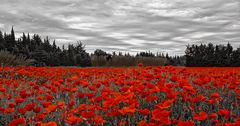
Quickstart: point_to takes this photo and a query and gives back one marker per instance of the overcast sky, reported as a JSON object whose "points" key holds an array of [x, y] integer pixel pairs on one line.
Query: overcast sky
{"points": [[126, 25]]}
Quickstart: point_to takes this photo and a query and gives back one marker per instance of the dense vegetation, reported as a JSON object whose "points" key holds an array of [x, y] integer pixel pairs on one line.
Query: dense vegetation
{"points": [[42, 52], [210, 55]]}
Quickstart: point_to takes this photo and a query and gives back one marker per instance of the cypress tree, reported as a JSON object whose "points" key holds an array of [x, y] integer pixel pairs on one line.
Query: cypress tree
{"points": [[2, 42]]}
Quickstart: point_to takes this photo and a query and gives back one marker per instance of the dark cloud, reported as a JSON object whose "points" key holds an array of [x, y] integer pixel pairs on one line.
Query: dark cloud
{"points": [[126, 25]]}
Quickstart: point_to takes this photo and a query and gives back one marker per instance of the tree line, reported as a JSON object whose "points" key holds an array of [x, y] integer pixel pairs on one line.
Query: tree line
{"points": [[46, 53], [210, 55], [42, 52]]}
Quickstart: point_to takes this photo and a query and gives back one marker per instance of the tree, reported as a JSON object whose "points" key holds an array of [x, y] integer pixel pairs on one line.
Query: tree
{"points": [[54, 46], [40, 56], [2, 41], [229, 51], [79, 48], [83, 60], [36, 42], [146, 54], [43, 52], [70, 55], [46, 45], [114, 53], [99, 52], [9, 44], [235, 60], [12, 36], [210, 55], [222, 55], [24, 41], [54, 59]]}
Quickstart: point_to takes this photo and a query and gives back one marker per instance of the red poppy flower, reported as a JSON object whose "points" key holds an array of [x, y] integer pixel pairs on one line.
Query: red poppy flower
{"points": [[122, 123], [97, 99], [151, 98], [45, 104], [92, 88], [113, 113], [37, 109], [212, 101], [70, 104], [11, 105], [51, 108], [165, 104], [9, 110], [73, 120], [189, 89], [185, 123], [201, 116], [144, 111], [2, 110], [81, 95], [39, 98], [90, 95], [212, 115], [3, 90], [214, 95], [49, 97], [237, 121], [173, 78], [18, 121], [214, 121], [98, 120], [60, 104], [39, 117], [158, 114], [84, 84], [224, 113], [127, 110], [21, 110], [140, 65], [49, 124], [19, 100], [142, 123], [88, 114], [30, 106], [23, 94]]}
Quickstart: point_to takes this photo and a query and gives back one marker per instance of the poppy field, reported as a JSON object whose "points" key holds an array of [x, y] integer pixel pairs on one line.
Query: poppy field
{"points": [[141, 96]]}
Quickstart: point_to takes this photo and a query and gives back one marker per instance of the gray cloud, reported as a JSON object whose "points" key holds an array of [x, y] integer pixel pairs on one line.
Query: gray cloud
{"points": [[126, 25]]}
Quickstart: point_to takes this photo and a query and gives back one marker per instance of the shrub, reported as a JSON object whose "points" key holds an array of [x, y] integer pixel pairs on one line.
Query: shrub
{"points": [[8, 59], [121, 61]]}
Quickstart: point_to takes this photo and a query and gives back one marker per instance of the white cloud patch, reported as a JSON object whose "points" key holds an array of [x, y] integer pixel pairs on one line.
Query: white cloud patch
{"points": [[84, 26], [1, 25]]}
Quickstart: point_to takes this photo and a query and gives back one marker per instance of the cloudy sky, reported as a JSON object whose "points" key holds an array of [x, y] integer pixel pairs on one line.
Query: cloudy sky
{"points": [[126, 25]]}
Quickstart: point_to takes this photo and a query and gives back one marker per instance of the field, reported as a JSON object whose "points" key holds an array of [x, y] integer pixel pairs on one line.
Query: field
{"points": [[142, 96]]}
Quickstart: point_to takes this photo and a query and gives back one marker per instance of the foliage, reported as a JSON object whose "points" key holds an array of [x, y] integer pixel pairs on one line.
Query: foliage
{"points": [[41, 57], [42, 52], [8, 59], [83, 60], [102, 58], [210, 55], [145, 54], [50, 54], [126, 61], [99, 52]]}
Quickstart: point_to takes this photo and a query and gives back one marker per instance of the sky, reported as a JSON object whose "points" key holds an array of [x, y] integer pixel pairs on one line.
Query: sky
{"points": [[126, 25]]}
